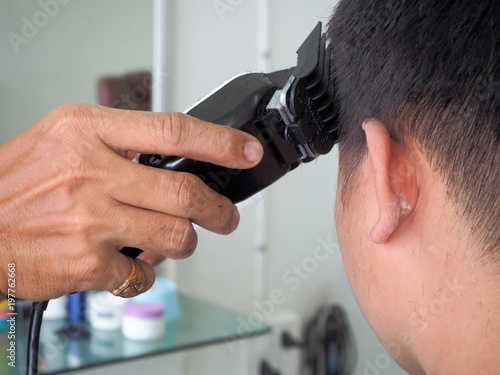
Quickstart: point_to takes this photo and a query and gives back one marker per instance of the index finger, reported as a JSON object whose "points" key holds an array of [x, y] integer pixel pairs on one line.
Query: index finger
{"points": [[178, 134]]}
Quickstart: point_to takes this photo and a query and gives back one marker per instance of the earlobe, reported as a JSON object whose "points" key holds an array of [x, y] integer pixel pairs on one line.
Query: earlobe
{"points": [[394, 177]]}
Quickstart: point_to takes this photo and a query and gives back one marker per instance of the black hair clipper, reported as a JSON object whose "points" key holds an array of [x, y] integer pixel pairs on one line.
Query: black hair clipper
{"points": [[292, 112]]}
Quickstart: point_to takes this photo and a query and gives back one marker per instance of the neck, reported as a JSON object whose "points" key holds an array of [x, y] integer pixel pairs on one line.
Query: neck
{"points": [[464, 323]]}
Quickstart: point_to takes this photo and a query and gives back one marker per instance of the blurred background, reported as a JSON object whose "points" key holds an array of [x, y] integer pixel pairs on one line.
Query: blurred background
{"points": [[61, 57]]}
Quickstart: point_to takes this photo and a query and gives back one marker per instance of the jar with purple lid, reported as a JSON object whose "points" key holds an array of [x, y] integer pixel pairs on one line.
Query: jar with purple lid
{"points": [[143, 321]]}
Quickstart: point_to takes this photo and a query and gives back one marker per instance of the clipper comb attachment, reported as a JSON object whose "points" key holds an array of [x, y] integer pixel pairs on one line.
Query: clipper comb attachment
{"points": [[306, 103]]}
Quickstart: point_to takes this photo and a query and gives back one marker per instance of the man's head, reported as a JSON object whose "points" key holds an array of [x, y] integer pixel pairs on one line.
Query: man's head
{"points": [[418, 84]]}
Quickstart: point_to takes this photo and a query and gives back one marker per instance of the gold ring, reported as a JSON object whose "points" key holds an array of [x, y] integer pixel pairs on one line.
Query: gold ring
{"points": [[133, 284]]}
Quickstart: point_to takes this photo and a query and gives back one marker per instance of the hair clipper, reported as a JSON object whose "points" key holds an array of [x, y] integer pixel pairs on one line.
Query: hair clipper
{"points": [[292, 112]]}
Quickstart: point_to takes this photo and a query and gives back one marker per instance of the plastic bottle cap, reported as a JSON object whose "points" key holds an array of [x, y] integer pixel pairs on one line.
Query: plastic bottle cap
{"points": [[144, 310]]}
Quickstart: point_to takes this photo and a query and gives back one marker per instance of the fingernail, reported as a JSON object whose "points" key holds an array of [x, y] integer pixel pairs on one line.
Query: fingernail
{"points": [[253, 151], [235, 220]]}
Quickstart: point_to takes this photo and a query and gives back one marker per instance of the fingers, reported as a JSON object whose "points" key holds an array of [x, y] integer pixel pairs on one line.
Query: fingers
{"points": [[171, 236], [150, 209], [102, 268], [160, 235], [180, 135], [174, 193], [121, 270]]}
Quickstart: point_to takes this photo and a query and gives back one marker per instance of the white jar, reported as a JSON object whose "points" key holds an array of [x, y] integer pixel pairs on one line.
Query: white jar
{"points": [[105, 311], [143, 321], [57, 309]]}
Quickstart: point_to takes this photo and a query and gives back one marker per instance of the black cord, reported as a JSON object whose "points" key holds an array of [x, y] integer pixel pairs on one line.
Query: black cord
{"points": [[34, 337]]}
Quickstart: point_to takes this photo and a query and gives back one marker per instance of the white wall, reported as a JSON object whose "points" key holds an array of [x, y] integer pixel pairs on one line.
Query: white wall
{"points": [[61, 63], [91, 38]]}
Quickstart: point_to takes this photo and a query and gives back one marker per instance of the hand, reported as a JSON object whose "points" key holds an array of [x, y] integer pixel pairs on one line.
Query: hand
{"points": [[70, 198]]}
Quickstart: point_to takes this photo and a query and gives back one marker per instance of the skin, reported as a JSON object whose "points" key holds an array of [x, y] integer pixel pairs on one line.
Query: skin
{"points": [[414, 266], [71, 198]]}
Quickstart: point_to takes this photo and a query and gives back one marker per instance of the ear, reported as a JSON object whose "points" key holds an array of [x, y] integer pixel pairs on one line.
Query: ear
{"points": [[394, 173]]}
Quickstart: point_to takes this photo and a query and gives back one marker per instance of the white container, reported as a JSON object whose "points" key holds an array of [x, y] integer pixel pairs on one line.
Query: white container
{"points": [[143, 321], [165, 292], [57, 309], [105, 311]]}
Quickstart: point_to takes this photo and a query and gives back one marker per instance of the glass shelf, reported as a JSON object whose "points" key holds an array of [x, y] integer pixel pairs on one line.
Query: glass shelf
{"points": [[200, 323]]}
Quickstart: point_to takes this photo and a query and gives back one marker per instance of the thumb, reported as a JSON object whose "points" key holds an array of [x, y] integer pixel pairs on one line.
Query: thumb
{"points": [[180, 135]]}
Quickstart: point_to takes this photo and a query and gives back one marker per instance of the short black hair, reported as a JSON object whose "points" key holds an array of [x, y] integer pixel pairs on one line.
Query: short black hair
{"points": [[430, 70]]}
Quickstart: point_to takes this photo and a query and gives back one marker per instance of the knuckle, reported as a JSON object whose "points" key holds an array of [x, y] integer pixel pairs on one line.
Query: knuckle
{"points": [[93, 267], [78, 175], [84, 223], [185, 189], [67, 110], [72, 116], [170, 128], [73, 112], [181, 239], [74, 175], [73, 109]]}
